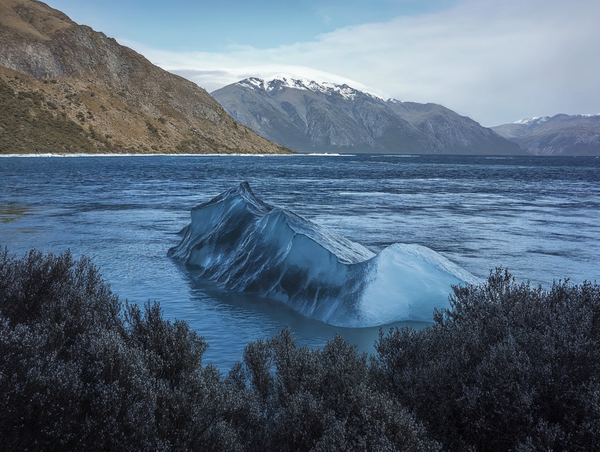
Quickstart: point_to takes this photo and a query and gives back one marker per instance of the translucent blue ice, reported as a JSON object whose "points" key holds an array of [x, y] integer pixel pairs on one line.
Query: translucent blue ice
{"points": [[247, 245]]}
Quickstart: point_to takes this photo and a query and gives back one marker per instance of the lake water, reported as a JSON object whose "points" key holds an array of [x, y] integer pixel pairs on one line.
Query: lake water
{"points": [[537, 216]]}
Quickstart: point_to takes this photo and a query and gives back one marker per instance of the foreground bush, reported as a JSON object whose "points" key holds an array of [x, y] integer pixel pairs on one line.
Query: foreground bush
{"points": [[79, 370], [323, 400], [508, 367]]}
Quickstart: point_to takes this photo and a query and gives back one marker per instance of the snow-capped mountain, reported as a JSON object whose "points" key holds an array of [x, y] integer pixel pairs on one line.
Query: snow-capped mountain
{"points": [[534, 120], [280, 82], [326, 117], [556, 135]]}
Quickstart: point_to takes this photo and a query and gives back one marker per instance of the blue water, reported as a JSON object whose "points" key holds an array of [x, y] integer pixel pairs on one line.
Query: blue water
{"points": [[538, 216]]}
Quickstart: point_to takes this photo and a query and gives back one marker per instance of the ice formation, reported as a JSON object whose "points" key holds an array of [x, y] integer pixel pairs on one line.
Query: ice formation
{"points": [[246, 245]]}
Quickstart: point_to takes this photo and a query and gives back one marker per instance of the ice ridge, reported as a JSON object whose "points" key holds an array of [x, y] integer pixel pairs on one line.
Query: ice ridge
{"points": [[246, 245]]}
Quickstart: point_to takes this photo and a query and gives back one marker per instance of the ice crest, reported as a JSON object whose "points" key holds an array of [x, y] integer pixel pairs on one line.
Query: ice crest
{"points": [[246, 245]]}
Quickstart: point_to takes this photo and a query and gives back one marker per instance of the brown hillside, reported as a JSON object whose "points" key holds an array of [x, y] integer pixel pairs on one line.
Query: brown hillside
{"points": [[102, 96]]}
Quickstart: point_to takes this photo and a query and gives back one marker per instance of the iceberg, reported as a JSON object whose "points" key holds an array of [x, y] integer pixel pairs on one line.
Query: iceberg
{"points": [[246, 245]]}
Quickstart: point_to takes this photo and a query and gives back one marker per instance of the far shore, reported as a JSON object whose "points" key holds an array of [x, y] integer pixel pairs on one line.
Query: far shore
{"points": [[173, 155]]}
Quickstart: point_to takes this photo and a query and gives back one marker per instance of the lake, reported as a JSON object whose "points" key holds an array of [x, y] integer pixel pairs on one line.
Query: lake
{"points": [[537, 216]]}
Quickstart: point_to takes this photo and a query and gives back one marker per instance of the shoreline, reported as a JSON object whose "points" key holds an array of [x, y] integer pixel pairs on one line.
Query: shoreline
{"points": [[326, 154], [171, 155]]}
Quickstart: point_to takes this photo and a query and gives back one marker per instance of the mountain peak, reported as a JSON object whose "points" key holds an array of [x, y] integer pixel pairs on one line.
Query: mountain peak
{"points": [[280, 82], [534, 120], [309, 116], [541, 119], [560, 134]]}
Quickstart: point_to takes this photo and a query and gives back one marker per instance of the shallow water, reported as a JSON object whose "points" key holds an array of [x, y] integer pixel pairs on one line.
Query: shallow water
{"points": [[538, 216]]}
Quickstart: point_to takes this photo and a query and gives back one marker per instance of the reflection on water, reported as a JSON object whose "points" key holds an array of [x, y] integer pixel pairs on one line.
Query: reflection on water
{"points": [[12, 213], [230, 320]]}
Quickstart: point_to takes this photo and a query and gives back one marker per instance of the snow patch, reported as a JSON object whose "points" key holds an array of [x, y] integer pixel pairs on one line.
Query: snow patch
{"points": [[540, 119], [252, 82], [536, 119], [279, 82]]}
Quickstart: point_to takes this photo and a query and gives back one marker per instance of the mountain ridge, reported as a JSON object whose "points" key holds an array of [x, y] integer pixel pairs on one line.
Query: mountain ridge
{"points": [[560, 134], [106, 97], [308, 116]]}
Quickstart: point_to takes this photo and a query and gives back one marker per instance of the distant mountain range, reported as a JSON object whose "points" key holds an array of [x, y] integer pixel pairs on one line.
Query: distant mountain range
{"points": [[67, 88], [307, 116], [556, 135]]}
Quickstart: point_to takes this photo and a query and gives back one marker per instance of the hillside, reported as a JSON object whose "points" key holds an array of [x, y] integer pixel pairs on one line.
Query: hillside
{"points": [[308, 116], [556, 135], [67, 88]]}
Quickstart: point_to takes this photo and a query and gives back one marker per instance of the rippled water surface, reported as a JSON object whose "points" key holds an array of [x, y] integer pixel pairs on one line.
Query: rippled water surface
{"points": [[538, 216]]}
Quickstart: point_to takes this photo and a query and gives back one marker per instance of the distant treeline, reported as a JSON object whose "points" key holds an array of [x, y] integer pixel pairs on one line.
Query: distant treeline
{"points": [[508, 367]]}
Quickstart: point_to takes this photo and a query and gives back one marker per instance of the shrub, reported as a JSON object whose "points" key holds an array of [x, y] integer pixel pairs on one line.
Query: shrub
{"points": [[80, 370], [30, 126], [507, 367], [322, 400]]}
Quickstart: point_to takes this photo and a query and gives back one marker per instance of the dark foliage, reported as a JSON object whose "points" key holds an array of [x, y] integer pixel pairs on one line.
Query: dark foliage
{"points": [[321, 400], [80, 370], [508, 367]]}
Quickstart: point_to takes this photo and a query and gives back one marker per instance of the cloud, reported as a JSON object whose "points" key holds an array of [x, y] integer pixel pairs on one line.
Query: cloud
{"points": [[496, 61]]}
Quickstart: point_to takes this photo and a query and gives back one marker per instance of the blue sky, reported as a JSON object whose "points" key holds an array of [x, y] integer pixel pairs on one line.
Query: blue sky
{"points": [[495, 61], [214, 26]]}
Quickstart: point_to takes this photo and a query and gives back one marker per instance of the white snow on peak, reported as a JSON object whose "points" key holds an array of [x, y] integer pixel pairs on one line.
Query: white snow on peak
{"points": [[252, 82], [540, 119], [536, 119], [279, 82]]}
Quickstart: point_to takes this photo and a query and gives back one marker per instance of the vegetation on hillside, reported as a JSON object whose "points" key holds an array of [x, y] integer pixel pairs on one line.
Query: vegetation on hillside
{"points": [[508, 367], [69, 89], [30, 123]]}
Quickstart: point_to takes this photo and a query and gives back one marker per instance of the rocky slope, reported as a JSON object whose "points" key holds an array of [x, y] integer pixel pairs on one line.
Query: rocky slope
{"points": [[66, 88], [556, 135], [308, 116]]}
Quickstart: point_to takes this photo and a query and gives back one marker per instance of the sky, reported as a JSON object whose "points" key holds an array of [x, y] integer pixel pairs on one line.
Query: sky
{"points": [[495, 61]]}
